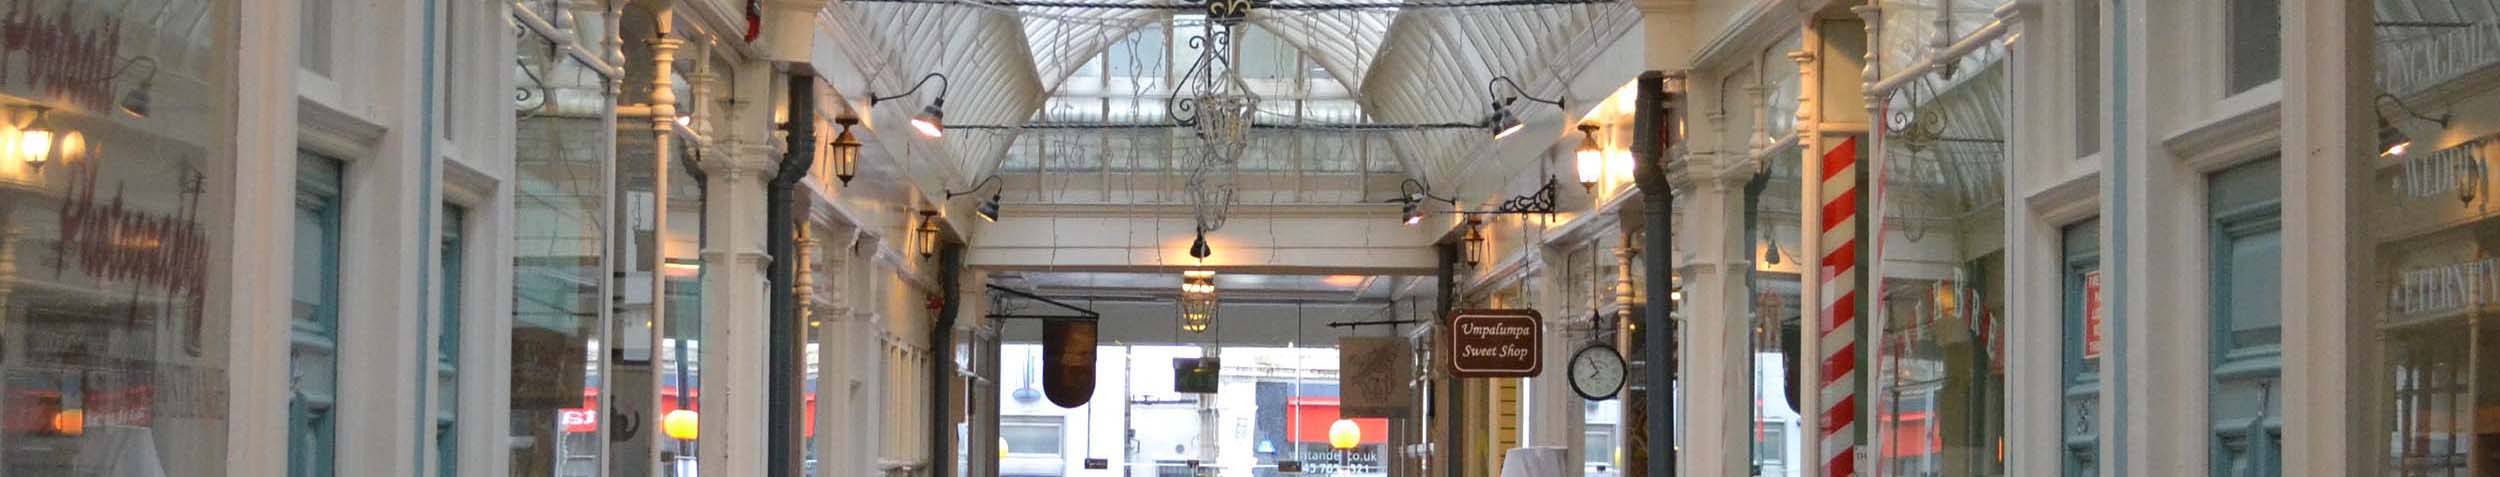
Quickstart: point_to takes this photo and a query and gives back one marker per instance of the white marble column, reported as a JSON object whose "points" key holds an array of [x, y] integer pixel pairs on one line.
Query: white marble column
{"points": [[734, 343], [1717, 361]]}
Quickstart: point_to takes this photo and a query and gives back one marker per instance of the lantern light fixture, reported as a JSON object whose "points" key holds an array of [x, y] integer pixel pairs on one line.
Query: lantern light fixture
{"points": [[1590, 158], [931, 121], [35, 141], [844, 151], [1474, 246], [1503, 121], [928, 233], [1198, 300]]}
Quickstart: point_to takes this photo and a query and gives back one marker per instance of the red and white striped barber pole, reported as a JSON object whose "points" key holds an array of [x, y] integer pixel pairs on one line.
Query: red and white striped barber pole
{"points": [[1841, 268]]}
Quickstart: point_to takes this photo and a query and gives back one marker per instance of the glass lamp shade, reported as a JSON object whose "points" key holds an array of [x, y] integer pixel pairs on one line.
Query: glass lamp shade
{"points": [[1590, 159], [679, 424], [1474, 244], [1198, 300], [928, 233], [844, 156], [1344, 435]]}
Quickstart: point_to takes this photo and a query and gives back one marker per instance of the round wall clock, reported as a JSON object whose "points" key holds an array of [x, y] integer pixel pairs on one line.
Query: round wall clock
{"points": [[1597, 372]]}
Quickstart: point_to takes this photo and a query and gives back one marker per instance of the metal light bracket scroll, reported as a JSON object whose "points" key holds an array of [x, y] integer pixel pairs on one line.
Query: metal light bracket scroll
{"points": [[1219, 108]]}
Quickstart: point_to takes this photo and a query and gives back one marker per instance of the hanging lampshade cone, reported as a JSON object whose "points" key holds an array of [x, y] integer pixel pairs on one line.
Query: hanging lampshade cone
{"points": [[988, 210], [1590, 158], [135, 103], [931, 121], [845, 152], [1414, 213], [2391, 141], [1198, 249], [1505, 123]]}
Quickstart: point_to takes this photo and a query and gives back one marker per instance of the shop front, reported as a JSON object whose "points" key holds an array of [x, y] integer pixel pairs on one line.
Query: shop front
{"points": [[112, 185]]}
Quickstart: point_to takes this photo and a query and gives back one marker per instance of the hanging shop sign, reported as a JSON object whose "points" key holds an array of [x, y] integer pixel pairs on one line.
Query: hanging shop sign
{"points": [[2092, 315], [1496, 343], [1068, 361], [1373, 376], [1195, 375]]}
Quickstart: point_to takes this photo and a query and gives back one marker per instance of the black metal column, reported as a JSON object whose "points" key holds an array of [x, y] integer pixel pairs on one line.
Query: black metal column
{"points": [[1654, 125], [1453, 417], [942, 364], [781, 407]]}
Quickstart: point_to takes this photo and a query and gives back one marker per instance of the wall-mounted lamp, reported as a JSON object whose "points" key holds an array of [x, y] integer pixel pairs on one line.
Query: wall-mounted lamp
{"points": [[843, 153], [931, 121], [35, 141], [135, 103], [987, 209], [1412, 195], [1590, 158], [1504, 122], [1474, 243], [928, 233], [2393, 142]]}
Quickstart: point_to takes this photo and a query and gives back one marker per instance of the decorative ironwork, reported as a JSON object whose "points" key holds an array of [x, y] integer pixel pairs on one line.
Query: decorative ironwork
{"points": [[1219, 109], [1541, 202]]}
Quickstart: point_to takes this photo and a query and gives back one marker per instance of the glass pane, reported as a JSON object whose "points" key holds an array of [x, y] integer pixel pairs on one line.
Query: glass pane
{"points": [[312, 435], [2254, 49], [559, 266], [115, 362], [447, 344], [2430, 235], [1938, 380], [2247, 324]]}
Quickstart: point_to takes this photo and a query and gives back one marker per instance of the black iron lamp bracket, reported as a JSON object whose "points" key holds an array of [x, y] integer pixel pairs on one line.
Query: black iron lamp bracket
{"points": [[1539, 203], [976, 187], [873, 99], [1492, 88], [2442, 120], [1413, 191]]}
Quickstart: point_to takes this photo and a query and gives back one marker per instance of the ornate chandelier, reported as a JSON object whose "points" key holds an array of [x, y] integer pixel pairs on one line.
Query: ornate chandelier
{"points": [[1197, 301], [1219, 108]]}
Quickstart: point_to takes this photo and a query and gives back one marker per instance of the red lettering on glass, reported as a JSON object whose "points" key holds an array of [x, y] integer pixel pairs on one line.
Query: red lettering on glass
{"points": [[60, 61], [111, 243]]}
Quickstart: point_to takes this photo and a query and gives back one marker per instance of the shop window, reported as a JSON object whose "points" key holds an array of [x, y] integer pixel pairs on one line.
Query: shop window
{"points": [[312, 424], [559, 261], [2084, 338], [2253, 49], [1598, 451], [1032, 435], [447, 344], [2246, 318]]}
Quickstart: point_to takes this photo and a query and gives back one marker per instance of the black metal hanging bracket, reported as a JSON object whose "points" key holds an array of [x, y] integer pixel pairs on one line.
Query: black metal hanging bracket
{"points": [[1081, 313]]}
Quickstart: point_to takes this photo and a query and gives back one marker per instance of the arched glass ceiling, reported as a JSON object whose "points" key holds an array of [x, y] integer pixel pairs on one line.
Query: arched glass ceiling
{"points": [[1423, 65]]}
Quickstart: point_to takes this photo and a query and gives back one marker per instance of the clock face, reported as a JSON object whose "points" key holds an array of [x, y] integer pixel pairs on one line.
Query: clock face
{"points": [[1597, 372]]}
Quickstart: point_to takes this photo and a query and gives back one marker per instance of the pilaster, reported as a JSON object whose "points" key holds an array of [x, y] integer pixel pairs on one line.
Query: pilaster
{"points": [[734, 340], [1717, 357]]}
